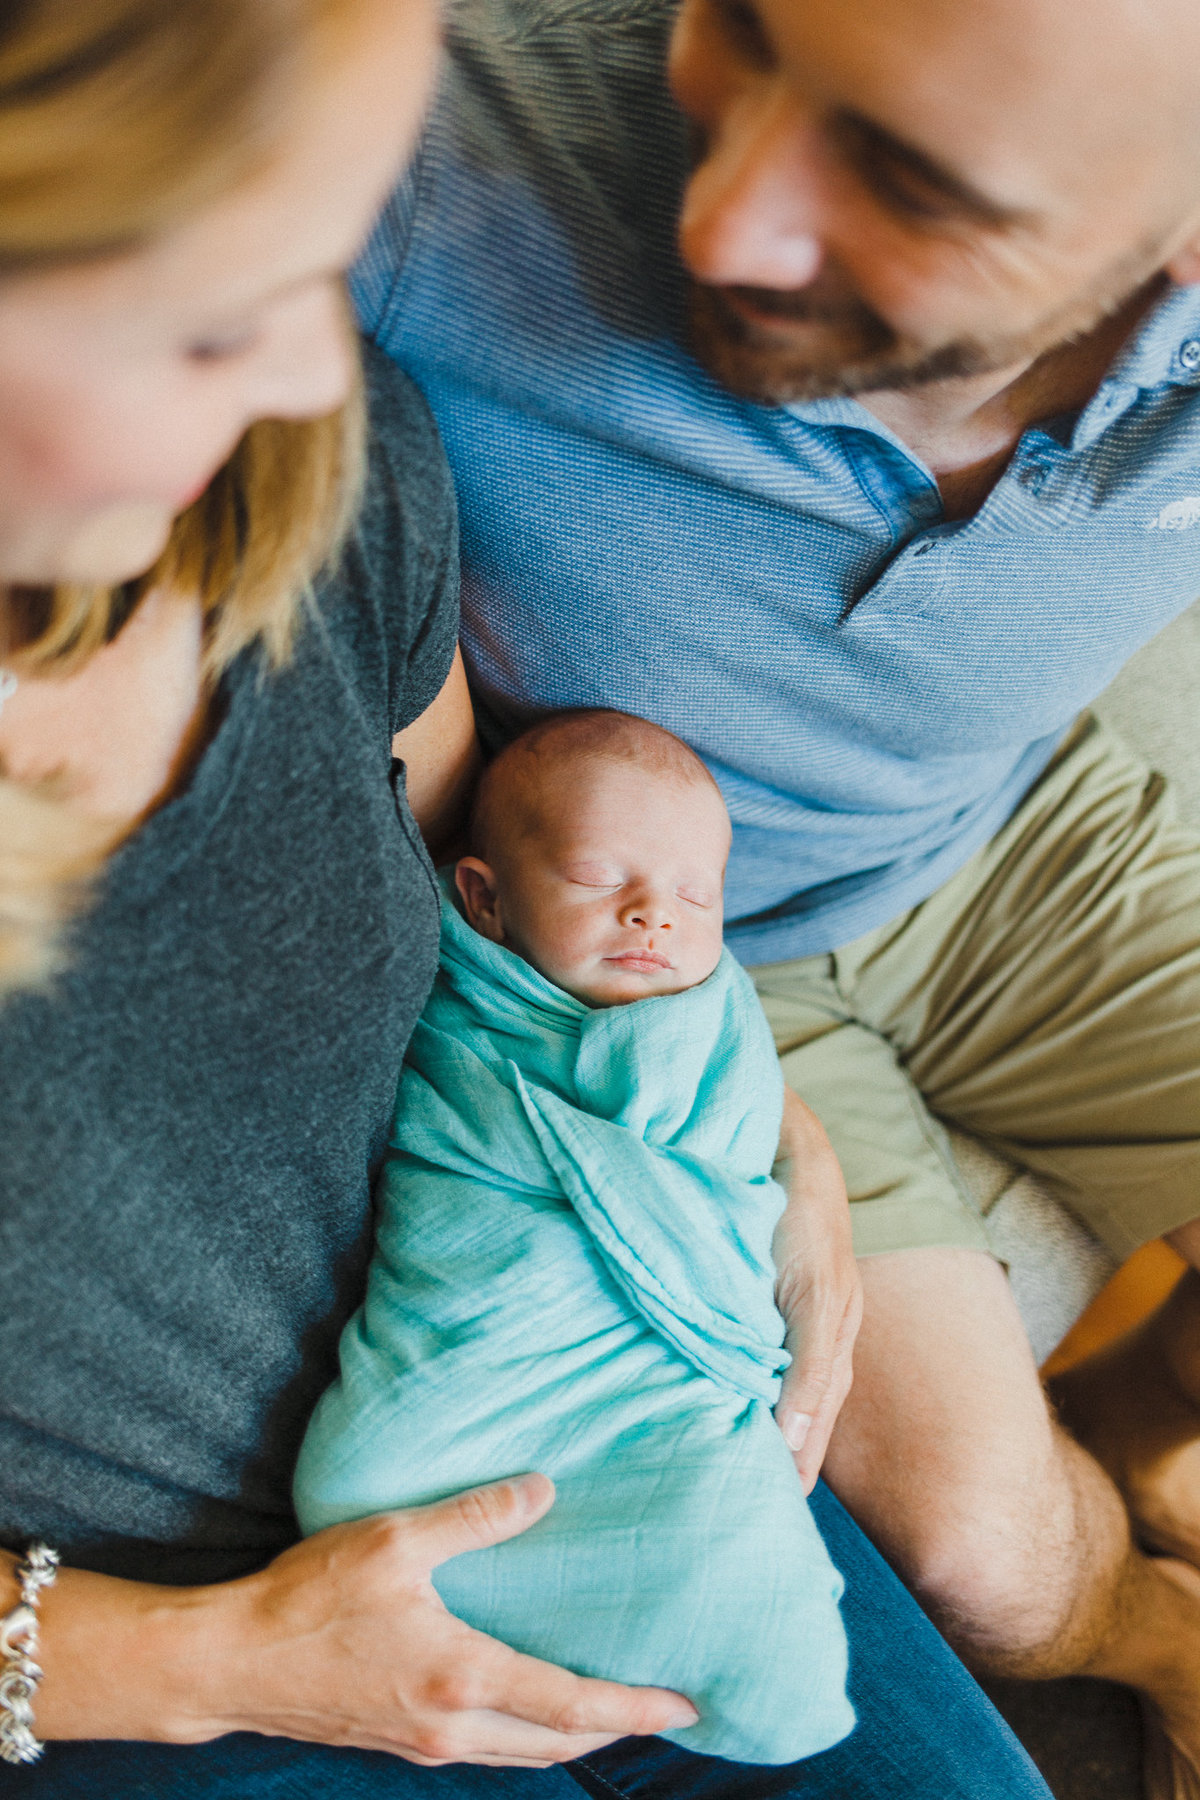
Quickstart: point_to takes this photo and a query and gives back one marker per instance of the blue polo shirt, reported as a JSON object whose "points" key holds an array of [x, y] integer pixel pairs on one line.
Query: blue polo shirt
{"points": [[873, 686]]}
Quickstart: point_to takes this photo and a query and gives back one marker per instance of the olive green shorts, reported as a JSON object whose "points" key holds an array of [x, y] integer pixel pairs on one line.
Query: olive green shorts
{"points": [[1046, 999]]}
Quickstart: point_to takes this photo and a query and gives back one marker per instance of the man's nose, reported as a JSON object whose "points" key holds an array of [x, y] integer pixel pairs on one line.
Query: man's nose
{"points": [[750, 212]]}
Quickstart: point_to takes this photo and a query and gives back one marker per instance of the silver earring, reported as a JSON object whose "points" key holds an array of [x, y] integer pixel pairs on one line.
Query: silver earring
{"points": [[8, 686]]}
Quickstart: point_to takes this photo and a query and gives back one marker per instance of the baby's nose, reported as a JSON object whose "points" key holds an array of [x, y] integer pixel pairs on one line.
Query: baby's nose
{"points": [[647, 912]]}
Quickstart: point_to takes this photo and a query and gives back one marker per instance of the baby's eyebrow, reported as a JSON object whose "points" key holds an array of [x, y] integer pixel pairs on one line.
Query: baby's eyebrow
{"points": [[605, 873]]}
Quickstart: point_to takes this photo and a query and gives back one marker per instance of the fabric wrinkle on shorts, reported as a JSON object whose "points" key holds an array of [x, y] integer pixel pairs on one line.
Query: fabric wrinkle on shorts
{"points": [[1046, 1000]]}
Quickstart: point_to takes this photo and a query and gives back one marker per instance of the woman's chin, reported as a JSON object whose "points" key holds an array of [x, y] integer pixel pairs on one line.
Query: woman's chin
{"points": [[102, 549]]}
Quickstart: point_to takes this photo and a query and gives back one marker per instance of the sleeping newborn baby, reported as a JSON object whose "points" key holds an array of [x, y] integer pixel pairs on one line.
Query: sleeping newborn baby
{"points": [[572, 1271], [602, 847]]}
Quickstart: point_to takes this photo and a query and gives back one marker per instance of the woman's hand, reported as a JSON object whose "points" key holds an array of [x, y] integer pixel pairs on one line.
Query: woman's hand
{"points": [[817, 1288], [341, 1640]]}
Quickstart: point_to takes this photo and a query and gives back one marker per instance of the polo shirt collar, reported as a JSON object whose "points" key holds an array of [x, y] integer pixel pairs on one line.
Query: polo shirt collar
{"points": [[1166, 347], [1164, 350]]}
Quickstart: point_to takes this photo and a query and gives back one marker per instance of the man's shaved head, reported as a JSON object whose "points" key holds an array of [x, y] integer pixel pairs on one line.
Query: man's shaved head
{"points": [[892, 192], [547, 759]]}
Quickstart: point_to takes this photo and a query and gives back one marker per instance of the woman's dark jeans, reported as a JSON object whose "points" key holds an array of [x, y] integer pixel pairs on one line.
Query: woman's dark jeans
{"points": [[925, 1732]]}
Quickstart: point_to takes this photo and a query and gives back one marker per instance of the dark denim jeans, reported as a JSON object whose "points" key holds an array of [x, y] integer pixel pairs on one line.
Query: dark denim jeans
{"points": [[925, 1732]]}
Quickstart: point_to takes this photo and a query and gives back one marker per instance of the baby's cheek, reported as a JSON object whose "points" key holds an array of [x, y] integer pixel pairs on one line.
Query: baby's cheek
{"points": [[567, 953], [714, 943]]}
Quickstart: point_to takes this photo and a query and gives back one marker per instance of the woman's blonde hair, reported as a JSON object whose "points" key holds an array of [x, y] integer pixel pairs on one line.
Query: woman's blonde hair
{"points": [[118, 118]]}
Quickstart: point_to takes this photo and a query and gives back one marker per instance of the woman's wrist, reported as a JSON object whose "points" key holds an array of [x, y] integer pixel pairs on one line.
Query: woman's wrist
{"points": [[124, 1659]]}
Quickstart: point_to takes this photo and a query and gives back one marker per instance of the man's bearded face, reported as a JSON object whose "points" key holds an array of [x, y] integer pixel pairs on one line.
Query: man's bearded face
{"points": [[886, 194], [778, 348]]}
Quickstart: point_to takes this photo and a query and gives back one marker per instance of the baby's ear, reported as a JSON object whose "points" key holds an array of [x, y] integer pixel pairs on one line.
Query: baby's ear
{"points": [[476, 884]]}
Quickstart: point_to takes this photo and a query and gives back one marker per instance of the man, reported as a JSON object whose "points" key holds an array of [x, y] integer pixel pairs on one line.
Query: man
{"points": [[866, 493]]}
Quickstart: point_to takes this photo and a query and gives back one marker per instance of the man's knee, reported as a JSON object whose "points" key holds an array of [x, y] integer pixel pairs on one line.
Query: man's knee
{"points": [[1017, 1572], [948, 1455], [994, 1549], [984, 1584]]}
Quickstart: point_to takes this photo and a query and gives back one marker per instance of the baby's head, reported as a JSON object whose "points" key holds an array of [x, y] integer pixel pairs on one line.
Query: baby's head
{"points": [[599, 847]]}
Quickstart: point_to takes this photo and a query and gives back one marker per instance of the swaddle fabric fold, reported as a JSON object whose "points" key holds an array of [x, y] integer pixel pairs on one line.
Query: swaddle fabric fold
{"points": [[573, 1274]]}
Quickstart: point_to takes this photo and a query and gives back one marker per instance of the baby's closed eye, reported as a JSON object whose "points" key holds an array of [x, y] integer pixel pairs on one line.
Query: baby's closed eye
{"points": [[594, 875]]}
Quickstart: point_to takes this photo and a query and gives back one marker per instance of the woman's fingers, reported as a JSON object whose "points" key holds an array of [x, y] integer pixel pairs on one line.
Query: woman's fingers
{"points": [[343, 1639], [566, 1705], [496, 1738], [474, 1519], [573, 1712]]}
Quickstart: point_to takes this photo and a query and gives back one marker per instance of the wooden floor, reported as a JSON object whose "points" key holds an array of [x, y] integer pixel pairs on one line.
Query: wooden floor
{"points": [[1135, 1290]]}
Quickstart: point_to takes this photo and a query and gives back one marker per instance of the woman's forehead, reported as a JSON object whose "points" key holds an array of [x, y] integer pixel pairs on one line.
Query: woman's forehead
{"points": [[302, 213]]}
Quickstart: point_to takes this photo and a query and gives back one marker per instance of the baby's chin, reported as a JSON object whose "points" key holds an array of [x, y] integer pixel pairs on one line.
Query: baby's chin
{"points": [[621, 987]]}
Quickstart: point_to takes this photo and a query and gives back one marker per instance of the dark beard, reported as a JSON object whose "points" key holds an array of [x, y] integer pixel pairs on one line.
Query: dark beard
{"points": [[866, 355]]}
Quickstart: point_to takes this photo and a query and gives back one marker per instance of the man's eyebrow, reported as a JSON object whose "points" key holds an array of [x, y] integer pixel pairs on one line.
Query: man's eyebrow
{"points": [[877, 151]]}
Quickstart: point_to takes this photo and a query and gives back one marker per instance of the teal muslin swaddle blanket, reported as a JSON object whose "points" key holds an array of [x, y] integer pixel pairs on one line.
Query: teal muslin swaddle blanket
{"points": [[572, 1273]]}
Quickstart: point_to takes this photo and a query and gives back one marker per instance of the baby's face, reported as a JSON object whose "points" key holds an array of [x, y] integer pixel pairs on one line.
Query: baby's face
{"points": [[616, 893]]}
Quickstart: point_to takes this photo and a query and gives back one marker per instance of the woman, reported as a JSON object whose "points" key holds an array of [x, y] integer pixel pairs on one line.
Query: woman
{"points": [[217, 926]]}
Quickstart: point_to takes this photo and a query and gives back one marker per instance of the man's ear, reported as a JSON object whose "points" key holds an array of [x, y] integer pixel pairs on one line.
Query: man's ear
{"points": [[476, 884]]}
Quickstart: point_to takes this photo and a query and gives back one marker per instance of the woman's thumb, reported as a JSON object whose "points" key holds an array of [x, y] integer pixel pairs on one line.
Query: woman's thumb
{"points": [[482, 1516]]}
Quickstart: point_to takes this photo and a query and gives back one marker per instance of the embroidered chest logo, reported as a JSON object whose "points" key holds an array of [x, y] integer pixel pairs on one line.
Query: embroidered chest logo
{"points": [[1181, 515]]}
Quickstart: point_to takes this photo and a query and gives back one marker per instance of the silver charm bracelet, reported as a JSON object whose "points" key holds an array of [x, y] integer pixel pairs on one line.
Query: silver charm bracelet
{"points": [[19, 1672]]}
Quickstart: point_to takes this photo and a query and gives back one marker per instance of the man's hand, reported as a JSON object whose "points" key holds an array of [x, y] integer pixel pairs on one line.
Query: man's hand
{"points": [[341, 1640], [818, 1290]]}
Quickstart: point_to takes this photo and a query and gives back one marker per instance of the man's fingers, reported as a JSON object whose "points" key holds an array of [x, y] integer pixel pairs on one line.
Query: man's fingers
{"points": [[811, 1454], [474, 1519], [808, 1380], [815, 1386], [805, 1385], [796, 1427]]}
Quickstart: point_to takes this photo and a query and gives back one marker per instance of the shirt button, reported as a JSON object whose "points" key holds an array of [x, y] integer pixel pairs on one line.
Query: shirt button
{"points": [[1189, 354], [926, 547]]}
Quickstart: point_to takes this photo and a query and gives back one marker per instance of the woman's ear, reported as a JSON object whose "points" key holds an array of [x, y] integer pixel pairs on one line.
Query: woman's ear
{"points": [[476, 884]]}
